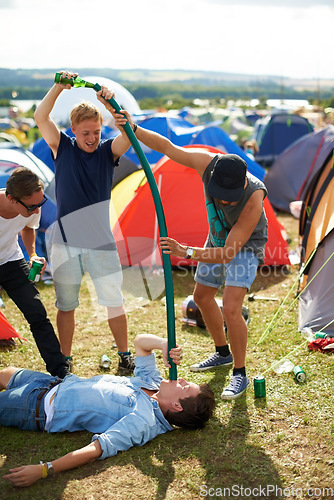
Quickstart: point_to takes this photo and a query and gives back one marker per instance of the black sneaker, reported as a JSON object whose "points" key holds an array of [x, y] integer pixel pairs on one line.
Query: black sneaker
{"points": [[126, 362], [7, 343]]}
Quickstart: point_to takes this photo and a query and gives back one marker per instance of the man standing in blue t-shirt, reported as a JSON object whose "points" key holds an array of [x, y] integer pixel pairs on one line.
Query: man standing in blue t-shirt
{"points": [[82, 240]]}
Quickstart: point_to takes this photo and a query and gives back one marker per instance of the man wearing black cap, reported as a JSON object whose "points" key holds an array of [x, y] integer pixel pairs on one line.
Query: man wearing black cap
{"points": [[233, 250]]}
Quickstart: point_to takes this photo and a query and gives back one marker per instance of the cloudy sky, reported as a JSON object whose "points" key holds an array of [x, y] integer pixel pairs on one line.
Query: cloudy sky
{"points": [[288, 38]]}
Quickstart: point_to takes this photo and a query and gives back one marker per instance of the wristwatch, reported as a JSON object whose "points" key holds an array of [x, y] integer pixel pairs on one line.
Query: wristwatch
{"points": [[190, 253], [50, 469]]}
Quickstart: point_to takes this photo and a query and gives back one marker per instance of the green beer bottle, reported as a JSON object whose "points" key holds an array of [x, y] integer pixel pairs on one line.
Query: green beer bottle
{"points": [[74, 82]]}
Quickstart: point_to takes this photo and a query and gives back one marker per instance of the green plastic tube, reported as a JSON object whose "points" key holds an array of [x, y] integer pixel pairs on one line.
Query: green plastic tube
{"points": [[163, 232]]}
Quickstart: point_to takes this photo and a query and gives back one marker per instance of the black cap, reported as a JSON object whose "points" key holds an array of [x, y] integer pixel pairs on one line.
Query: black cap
{"points": [[228, 178]]}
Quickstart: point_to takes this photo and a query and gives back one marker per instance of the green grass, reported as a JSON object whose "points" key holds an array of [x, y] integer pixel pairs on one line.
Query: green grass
{"points": [[284, 441]]}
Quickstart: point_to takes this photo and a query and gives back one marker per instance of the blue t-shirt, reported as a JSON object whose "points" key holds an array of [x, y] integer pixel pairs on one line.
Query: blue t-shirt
{"points": [[82, 179], [83, 190]]}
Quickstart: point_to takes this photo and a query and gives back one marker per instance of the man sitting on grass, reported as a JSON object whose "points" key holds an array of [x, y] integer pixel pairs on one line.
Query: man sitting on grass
{"points": [[121, 411]]}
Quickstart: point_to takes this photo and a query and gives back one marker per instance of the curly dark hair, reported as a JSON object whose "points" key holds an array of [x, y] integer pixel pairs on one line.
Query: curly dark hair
{"points": [[196, 410]]}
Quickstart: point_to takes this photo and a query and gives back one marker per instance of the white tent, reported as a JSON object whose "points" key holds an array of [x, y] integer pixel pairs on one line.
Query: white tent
{"points": [[69, 98]]}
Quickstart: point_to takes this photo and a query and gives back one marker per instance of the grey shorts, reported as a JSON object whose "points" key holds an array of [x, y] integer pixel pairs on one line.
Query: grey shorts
{"points": [[69, 264]]}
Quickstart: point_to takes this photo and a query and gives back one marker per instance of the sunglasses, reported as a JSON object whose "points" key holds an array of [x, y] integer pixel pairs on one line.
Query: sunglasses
{"points": [[32, 208]]}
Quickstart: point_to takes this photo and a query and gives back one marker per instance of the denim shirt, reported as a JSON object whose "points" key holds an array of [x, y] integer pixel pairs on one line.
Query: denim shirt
{"points": [[119, 413]]}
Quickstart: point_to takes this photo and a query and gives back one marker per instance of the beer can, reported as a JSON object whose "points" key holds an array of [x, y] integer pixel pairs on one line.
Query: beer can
{"points": [[299, 374], [35, 271], [259, 386], [105, 362], [321, 335]]}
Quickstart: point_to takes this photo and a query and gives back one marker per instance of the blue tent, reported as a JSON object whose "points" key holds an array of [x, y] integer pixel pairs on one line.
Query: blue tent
{"points": [[215, 136], [252, 117], [176, 129], [43, 152], [183, 133], [274, 133]]}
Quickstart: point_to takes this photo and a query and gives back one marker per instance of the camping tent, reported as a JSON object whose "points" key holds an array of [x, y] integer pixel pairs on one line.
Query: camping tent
{"points": [[237, 127], [276, 132], [135, 225], [183, 133], [291, 171], [218, 138], [12, 158], [317, 231], [175, 128], [70, 98], [6, 329]]}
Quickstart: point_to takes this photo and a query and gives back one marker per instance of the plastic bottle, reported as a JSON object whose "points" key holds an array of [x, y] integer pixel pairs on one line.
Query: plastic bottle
{"points": [[283, 366], [307, 333], [74, 82]]}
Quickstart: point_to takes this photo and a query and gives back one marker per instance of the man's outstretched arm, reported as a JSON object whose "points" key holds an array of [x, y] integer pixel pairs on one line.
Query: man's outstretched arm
{"points": [[192, 158], [29, 474]]}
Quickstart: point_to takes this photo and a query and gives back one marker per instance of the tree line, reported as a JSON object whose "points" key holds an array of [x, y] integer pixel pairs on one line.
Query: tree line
{"points": [[176, 93]]}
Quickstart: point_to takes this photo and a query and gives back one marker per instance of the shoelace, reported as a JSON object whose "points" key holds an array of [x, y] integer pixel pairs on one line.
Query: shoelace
{"points": [[235, 383], [211, 358]]}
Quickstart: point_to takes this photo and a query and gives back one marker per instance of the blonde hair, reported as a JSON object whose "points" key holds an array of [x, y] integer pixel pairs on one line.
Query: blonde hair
{"points": [[85, 111]]}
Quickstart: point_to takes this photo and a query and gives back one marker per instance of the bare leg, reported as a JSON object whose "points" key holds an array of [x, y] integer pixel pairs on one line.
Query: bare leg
{"points": [[204, 296], [236, 327], [5, 376], [65, 326], [118, 326]]}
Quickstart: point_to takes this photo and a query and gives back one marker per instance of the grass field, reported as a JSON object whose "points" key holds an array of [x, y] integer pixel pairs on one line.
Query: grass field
{"points": [[280, 446]]}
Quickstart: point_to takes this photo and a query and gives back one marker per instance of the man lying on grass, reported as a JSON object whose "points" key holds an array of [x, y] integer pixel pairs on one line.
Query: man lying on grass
{"points": [[120, 411]]}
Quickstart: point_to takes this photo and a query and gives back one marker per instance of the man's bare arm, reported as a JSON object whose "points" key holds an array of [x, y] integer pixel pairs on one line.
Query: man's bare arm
{"points": [[192, 158], [236, 239], [145, 343], [29, 239], [46, 125], [29, 474]]}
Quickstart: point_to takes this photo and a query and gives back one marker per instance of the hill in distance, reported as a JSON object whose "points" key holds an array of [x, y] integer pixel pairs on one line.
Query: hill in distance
{"points": [[44, 77]]}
